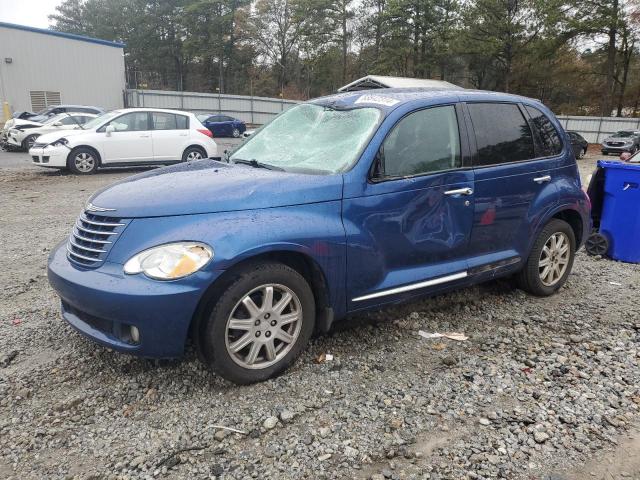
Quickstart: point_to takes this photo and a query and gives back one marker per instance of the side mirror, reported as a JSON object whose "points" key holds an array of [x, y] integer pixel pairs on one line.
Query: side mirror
{"points": [[57, 124], [109, 130]]}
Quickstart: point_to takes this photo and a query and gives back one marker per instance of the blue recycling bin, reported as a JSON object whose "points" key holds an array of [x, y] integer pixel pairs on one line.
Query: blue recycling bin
{"points": [[620, 220]]}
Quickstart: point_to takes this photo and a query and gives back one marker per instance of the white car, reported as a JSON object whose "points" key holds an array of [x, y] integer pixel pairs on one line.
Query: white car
{"points": [[131, 136], [24, 136]]}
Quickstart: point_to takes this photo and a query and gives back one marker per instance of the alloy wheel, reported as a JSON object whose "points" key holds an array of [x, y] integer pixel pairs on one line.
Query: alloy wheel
{"points": [[194, 155], [263, 326], [84, 162], [554, 259], [236, 133]]}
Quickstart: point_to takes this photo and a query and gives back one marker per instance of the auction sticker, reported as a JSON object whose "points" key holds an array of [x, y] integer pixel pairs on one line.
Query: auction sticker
{"points": [[379, 99]]}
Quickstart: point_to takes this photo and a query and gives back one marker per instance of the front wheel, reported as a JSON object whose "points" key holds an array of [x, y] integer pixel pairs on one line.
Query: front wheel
{"points": [[550, 261], [260, 323], [82, 161], [28, 142]]}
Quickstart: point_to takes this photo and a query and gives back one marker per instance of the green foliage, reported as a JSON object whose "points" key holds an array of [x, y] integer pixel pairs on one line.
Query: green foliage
{"points": [[578, 56]]}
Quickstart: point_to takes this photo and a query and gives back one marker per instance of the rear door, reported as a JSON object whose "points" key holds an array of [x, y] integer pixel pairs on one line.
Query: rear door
{"points": [[170, 135], [408, 233], [513, 181]]}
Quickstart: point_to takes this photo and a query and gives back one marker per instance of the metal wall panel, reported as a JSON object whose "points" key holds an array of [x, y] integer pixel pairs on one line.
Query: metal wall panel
{"points": [[84, 73], [252, 110], [596, 129]]}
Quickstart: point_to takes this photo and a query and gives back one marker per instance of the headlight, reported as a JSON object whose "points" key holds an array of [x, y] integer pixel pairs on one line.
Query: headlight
{"points": [[59, 142], [170, 261]]}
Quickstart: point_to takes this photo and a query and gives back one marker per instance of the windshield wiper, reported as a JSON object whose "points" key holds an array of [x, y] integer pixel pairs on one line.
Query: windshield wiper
{"points": [[256, 164]]}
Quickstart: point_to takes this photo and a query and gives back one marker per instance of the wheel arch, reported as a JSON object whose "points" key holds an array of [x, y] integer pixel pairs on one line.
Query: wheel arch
{"points": [[301, 262], [94, 149], [195, 145], [574, 219]]}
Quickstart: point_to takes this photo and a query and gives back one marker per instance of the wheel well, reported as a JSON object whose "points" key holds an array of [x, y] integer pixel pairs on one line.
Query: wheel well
{"points": [[300, 262], [88, 148], [199, 147], [574, 219]]}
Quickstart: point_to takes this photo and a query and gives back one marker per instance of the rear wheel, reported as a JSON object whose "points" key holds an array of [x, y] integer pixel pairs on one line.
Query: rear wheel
{"points": [[193, 153], [28, 142], [550, 261], [259, 325], [83, 161]]}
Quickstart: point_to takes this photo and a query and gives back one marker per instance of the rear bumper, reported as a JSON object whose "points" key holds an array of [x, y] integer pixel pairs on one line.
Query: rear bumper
{"points": [[103, 304]]}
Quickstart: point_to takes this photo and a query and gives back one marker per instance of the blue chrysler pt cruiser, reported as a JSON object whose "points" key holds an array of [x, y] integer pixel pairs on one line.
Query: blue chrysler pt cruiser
{"points": [[339, 205]]}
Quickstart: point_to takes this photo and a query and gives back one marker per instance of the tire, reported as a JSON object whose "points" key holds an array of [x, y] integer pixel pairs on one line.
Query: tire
{"points": [[534, 277], [193, 153], [262, 350], [83, 161], [236, 133], [28, 142]]}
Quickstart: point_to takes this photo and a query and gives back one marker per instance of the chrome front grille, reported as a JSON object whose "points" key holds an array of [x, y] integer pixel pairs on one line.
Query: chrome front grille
{"points": [[92, 238]]}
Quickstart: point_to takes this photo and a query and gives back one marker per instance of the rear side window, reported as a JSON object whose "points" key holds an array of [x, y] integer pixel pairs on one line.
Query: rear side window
{"points": [[168, 121], [550, 143], [502, 133], [422, 142]]}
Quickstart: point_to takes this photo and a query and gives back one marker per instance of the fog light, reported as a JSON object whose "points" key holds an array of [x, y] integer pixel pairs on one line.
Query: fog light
{"points": [[135, 334]]}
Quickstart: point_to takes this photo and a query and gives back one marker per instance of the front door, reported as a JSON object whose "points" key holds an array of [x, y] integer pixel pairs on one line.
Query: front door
{"points": [[408, 233], [130, 141]]}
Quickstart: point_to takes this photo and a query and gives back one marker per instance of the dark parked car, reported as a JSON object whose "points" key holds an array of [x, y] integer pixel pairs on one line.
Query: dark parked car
{"points": [[223, 125], [622, 141], [579, 144], [383, 198]]}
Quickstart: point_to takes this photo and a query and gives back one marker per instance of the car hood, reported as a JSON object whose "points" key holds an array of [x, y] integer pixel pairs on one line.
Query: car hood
{"points": [[58, 134], [210, 186], [19, 122], [619, 139]]}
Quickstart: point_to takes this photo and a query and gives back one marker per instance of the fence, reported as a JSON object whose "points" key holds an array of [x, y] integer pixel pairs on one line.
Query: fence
{"points": [[596, 129], [252, 110]]}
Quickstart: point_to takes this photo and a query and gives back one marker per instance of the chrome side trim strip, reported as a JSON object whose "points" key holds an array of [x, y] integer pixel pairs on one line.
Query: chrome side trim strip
{"points": [[413, 286]]}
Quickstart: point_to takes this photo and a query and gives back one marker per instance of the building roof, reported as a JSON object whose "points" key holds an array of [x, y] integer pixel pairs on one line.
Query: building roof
{"points": [[54, 33], [378, 81]]}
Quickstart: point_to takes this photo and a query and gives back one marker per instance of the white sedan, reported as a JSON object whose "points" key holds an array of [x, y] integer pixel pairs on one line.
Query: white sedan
{"points": [[24, 136], [131, 136]]}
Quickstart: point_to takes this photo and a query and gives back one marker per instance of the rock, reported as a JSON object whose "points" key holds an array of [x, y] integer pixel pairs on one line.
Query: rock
{"points": [[270, 423], [350, 452], [377, 476], [484, 421], [324, 432], [540, 437], [286, 416], [449, 360], [324, 457]]}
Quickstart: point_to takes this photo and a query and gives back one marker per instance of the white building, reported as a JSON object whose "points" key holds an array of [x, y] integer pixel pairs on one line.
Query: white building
{"points": [[41, 68]]}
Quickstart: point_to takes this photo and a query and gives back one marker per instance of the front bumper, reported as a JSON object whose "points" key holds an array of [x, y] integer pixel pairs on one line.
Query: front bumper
{"points": [[619, 149], [50, 156], [104, 303]]}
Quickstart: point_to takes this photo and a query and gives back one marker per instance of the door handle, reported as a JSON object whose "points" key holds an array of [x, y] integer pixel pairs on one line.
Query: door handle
{"points": [[546, 178], [144, 136], [460, 191]]}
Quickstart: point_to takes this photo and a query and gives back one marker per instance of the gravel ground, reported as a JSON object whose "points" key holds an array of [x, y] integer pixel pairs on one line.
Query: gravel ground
{"points": [[542, 389]]}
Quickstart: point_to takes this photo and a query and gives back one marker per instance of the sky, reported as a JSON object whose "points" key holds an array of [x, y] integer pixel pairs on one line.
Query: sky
{"points": [[33, 13]]}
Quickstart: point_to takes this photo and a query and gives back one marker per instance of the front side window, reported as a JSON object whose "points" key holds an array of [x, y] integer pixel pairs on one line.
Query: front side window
{"points": [[131, 122], [312, 138], [422, 142], [70, 120], [549, 138], [502, 133]]}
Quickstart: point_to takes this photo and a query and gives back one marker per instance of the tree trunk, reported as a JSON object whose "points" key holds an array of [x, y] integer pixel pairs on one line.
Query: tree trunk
{"points": [[607, 98]]}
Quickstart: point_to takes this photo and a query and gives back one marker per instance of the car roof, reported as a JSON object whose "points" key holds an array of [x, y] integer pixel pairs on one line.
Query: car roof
{"points": [[75, 106], [389, 99], [147, 109]]}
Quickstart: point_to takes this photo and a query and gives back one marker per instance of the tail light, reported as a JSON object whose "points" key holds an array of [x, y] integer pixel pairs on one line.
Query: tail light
{"points": [[206, 131]]}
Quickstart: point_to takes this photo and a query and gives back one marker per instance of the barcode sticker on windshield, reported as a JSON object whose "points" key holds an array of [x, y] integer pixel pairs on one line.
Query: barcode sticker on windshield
{"points": [[379, 99]]}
